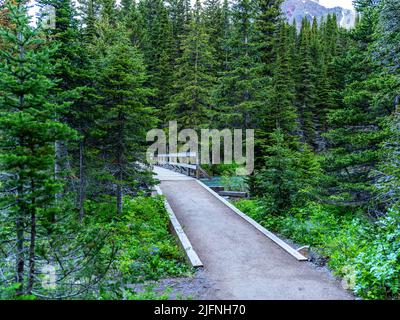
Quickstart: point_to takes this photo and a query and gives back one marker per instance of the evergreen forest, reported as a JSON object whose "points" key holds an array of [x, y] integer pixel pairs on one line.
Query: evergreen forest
{"points": [[80, 90]]}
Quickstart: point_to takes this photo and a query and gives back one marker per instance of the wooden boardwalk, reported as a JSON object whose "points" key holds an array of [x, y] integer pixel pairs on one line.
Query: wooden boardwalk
{"points": [[168, 175], [239, 261]]}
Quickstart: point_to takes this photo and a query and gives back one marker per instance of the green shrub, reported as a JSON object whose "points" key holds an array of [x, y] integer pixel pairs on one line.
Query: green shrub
{"points": [[220, 169], [255, 210], [147, 249], [130, 248], [377, 268], [366, 255], [234, 183], [289, 176], [9, 293]]}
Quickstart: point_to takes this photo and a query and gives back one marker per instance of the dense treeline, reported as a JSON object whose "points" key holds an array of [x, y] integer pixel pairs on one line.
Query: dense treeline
{"points": [[77, 98], [75, 108]]}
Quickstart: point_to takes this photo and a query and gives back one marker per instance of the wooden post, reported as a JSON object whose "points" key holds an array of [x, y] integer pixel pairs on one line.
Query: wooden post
{"points": [[197, 167]]}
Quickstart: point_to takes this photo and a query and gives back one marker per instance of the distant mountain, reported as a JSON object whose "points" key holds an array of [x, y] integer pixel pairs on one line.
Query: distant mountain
{"points": [[297, 9]]}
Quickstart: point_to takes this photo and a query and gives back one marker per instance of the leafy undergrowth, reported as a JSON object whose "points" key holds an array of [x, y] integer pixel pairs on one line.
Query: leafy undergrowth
{"points": [[108, 253], [366, 254], [147, 249]]}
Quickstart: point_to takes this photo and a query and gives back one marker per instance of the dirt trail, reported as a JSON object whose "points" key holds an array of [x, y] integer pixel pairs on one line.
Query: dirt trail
{"points": [[239, 261]]}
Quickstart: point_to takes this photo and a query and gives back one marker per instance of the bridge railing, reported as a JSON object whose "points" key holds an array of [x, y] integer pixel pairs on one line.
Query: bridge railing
{"points": [[185, 162]]}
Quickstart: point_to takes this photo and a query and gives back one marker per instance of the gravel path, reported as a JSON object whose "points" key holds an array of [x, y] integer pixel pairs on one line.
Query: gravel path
{"points": [[239, 261]]}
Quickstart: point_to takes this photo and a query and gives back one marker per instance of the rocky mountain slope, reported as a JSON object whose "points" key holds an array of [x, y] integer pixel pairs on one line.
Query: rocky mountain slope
{"points": [[297, 9]]}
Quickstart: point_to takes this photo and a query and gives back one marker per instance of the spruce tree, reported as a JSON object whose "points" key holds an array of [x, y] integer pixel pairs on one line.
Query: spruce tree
{"points": [[305, 84], [133, 20], [389, 28], [279, 119], [355, 132], [215, 24], [157, 46], [322, 97], [76, 78], [126, 118], [267, 21], [387, 174], [179, 16], [240, 92], [194, 77], [387, 183], [28, 132], [281, 112], [108, 8], [88, 11], [227, 29], [289, 177]]}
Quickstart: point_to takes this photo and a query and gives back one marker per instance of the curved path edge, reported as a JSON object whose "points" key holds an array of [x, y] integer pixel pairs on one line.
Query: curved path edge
{"points": [[182, 237], [256, 225]]}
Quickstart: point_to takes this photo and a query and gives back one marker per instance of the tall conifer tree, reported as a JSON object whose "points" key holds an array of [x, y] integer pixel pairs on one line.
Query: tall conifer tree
{"points": [[190, 105], [28, 131]]}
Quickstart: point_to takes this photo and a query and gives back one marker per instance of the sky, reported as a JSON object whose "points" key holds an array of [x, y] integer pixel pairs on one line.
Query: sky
{"points": [[347, 4]]}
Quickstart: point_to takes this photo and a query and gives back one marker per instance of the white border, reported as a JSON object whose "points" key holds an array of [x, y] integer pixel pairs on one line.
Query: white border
{"points": [[184, 240]]}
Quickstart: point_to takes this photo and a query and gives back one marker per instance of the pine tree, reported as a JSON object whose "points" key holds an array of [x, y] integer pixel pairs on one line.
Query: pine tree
{"points": [[268, 19], [133, 20], [356, 127], [305, 85], [89, 11], [179, 16], [281, 112], [215, 24], [157, 46], [28, 131], [108, 8], [289, 176], [194, 78], [240, 92], [126, 118]]}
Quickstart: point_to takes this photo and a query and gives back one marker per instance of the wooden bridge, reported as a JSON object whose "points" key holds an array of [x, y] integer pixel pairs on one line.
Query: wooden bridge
{"points": [[240, 258], [186, 163]]}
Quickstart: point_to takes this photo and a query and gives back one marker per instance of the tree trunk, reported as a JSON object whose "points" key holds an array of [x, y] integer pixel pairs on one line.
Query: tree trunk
{"points": [[20, 261], [82, 181], [32, 246], [120, 155], [119, 199], [57, 166], [119, 185], [57, 170], [20, 249]]}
